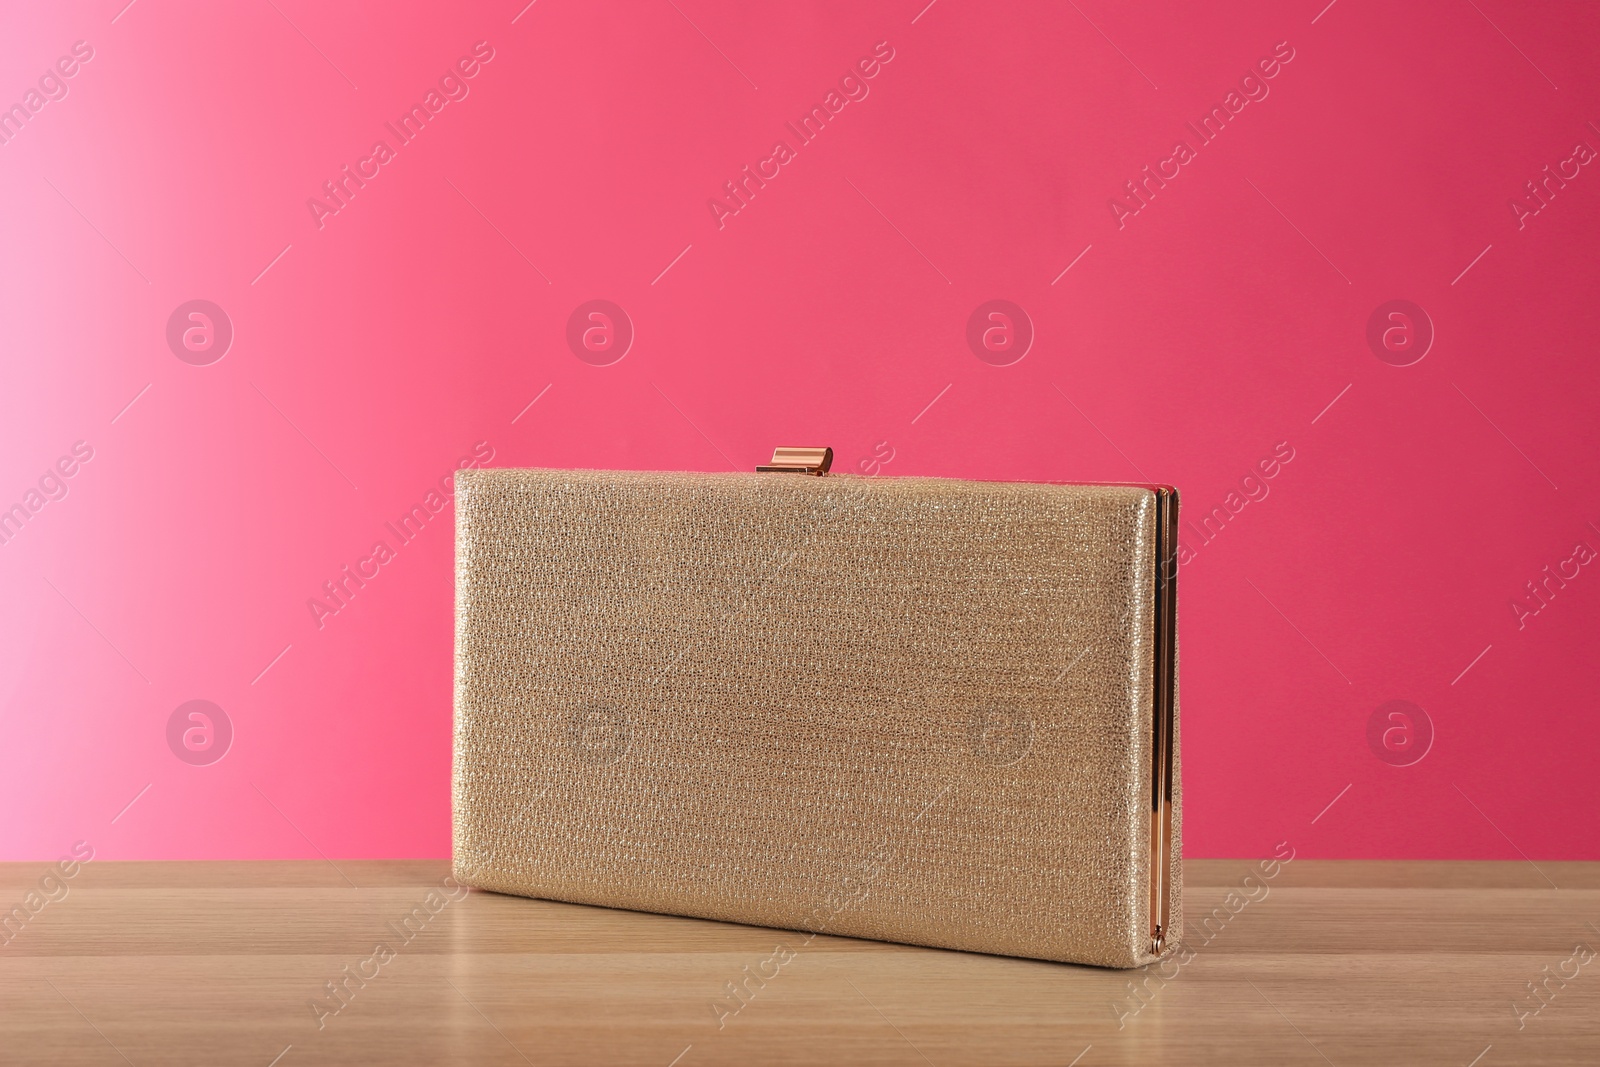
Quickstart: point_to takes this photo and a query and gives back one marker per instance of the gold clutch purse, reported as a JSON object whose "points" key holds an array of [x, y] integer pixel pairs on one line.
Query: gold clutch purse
{"points": [[912, 709]]}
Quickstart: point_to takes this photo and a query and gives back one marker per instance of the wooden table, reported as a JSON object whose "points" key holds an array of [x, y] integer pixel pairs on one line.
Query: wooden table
{"points": [[1338, 962]]}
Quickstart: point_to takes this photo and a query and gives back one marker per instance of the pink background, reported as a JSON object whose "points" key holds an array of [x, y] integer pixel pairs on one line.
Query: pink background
{"points": [[373, 353]]}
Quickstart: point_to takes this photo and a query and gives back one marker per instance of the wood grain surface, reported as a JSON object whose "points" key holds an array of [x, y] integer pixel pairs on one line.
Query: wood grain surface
{"points": [[1327, 962]]}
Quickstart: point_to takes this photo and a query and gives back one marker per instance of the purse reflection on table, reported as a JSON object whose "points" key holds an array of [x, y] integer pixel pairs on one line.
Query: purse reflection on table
{"points": [[920, 710]]}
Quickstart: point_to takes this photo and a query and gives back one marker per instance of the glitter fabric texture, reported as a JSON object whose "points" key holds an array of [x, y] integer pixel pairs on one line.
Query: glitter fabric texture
{"points": [[909, 709]]}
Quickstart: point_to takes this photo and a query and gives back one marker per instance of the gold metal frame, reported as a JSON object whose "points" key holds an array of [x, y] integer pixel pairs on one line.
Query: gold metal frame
{"points": [[788, 460], [1162, 748]]}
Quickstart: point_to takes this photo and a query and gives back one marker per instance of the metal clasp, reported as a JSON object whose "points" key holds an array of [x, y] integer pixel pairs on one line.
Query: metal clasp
{"points": [[798, 461]]}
